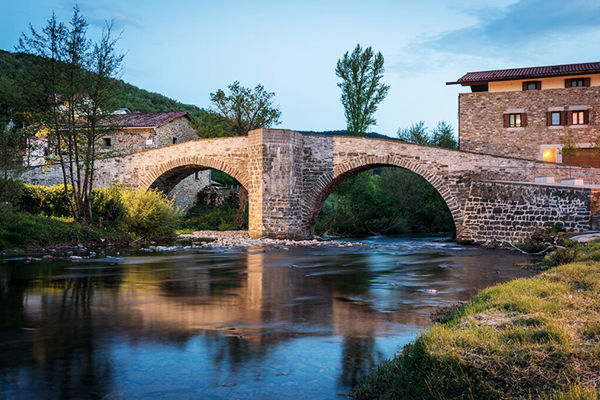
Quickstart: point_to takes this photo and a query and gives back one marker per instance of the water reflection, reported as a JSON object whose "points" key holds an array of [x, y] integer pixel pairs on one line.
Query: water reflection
{"points": [[262, 322]]}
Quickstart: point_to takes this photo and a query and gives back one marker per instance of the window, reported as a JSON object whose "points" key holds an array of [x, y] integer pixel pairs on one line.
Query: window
{"points": [[549, 155], [515, 120], [577, 82], [174, 140], [555, 118], [106, 142], [196, 176], [532, 85], [578, 118]]}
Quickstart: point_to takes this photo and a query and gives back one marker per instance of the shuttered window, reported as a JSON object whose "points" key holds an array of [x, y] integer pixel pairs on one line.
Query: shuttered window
{"points": [[515, 120], [532, 85], [556, 118], [577, 82]]}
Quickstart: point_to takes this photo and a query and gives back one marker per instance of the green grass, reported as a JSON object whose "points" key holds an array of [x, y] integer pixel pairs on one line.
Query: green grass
{"points": [[529, 338], [27, 231]]}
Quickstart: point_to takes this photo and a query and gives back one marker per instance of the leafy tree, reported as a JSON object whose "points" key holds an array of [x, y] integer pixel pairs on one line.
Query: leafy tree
{"points": [[213, 124], [244, 110], [76, 75], [416, 133], [362, 89], [441, 136]]}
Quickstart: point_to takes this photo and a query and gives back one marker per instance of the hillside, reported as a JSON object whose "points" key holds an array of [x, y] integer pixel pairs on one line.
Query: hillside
{"points": [[16, 67]]}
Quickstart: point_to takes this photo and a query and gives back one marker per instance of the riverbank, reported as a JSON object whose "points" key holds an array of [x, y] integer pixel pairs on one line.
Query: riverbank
{"points": [[529, 338]]}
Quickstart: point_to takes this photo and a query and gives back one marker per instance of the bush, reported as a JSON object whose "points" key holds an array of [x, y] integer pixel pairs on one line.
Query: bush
{"points": [[206, 218], [150, 214], [45, 200], [11, 191], [22, 230], [108, 207]]}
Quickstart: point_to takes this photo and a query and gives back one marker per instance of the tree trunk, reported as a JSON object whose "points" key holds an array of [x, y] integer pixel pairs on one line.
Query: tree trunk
{"points": [[239, 218]]}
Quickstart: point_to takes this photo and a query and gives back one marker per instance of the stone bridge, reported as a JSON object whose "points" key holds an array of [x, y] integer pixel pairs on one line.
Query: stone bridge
{"points": [[289, 176]]}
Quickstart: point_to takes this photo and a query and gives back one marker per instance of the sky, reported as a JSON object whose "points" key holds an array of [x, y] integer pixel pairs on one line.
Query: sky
{"points": [[187, 49]]}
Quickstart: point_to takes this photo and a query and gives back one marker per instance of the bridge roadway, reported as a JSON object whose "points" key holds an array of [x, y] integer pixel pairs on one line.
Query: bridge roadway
{"points": [[289, 175]]}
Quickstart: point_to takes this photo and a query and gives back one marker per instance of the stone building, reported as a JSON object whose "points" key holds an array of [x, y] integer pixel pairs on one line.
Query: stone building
{"points": [[132, 133], [528, 112]]}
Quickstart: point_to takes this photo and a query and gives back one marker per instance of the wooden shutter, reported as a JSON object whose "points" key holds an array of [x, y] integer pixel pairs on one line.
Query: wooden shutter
{"points": [[524, 86], [538, 85], [548, 118], [563, 118], [506, 120], [524, 120], [586, 82], [568, 118], [586, 115], [567, 83]]}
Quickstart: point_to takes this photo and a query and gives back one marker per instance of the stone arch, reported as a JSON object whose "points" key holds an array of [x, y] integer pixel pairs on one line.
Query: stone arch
{"points": [[326, 183], [165, 176]]}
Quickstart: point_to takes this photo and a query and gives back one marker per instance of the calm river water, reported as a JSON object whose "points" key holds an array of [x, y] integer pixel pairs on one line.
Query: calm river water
{"points": [[225, 324]]}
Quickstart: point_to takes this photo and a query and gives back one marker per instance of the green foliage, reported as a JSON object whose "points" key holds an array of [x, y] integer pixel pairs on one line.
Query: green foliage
{"points": [[244, 110], [206, 218], [22, 230], [390, 201], [569, 145], [150, 214], [223, 178], [529, 338], [212, 124], [441, 136], [49, 201], [362, 90]]}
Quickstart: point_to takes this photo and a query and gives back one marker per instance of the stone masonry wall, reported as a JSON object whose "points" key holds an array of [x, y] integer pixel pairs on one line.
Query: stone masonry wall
{"points": [[506, 211], [481, 126]]}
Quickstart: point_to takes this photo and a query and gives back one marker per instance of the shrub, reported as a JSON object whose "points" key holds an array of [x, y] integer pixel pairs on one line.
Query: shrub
{"points": [[150, 214], [45, 200], [203, 217], [108, 207]]}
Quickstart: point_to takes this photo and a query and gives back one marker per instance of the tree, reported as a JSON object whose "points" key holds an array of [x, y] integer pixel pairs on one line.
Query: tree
{"points": [[569, 147], [362, 89], [75, 74], [441, 136], [244, 110], [417, 133]]}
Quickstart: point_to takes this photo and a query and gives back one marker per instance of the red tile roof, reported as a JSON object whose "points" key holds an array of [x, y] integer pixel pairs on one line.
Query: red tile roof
{"points": [[527, 73], [145, 120]]}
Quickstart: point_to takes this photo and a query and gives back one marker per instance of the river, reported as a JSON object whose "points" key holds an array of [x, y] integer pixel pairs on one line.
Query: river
{"points": [[262, 322]]}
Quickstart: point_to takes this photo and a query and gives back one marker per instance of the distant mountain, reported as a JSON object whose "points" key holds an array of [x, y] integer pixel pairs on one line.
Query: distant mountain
{"points": [[344, 132], [17, 66]]}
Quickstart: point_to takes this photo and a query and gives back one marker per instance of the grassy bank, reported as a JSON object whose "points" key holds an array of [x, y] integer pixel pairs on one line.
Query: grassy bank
{"points": [[25, 231], [529, 338], [40, 217]]}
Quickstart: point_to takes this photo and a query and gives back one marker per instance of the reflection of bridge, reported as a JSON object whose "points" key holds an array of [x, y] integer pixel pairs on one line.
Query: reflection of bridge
{"points": [[289, 176]]}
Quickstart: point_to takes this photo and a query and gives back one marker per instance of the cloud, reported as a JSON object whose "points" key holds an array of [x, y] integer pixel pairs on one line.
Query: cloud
{"points": [[520, 26], [97, 13], [517, 34]]}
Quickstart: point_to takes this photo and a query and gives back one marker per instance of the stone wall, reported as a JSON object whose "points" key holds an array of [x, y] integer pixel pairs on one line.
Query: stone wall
{"points": [[481, 126], [507, 211]]}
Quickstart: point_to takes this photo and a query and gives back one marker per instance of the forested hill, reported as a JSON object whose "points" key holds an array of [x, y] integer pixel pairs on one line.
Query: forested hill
{"points": [[16, 67]]}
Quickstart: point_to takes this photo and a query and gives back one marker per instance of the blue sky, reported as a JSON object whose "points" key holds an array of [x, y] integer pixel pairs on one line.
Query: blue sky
{"points": [[189, 49]]}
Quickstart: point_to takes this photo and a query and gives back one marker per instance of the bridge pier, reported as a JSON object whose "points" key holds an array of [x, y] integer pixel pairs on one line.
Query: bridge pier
{"points": [[275, 190]]}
